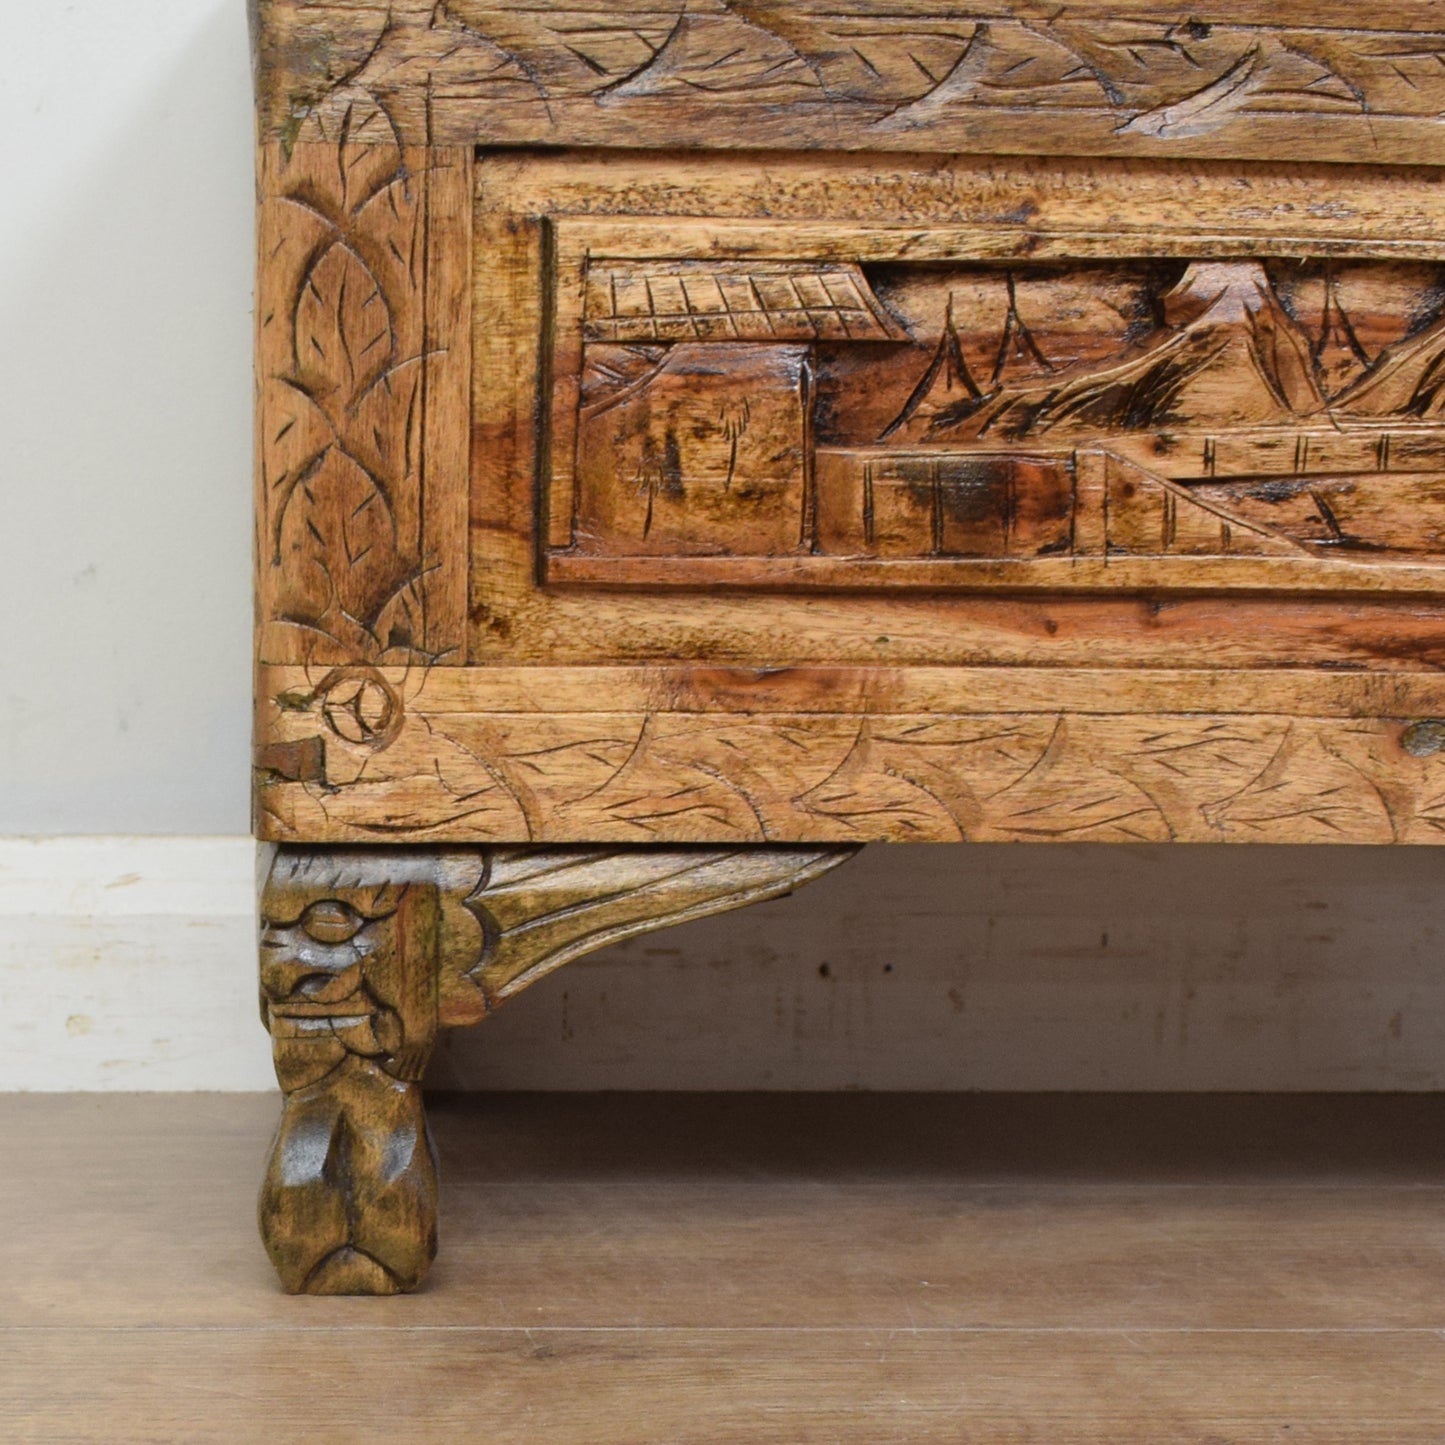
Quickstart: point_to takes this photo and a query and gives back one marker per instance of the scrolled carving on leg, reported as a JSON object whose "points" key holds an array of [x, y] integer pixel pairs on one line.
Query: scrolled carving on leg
{"points": [[349, 961]]}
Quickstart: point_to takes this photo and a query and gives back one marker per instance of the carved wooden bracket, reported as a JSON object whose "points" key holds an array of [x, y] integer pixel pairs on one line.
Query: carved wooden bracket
{"points": [[365, 954]]}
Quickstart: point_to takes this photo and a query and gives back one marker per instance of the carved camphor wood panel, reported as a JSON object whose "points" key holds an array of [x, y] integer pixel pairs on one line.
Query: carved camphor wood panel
{"points": [[837, 450], [1248, 78], [863, 399], [923, 755], [1197, 418]]}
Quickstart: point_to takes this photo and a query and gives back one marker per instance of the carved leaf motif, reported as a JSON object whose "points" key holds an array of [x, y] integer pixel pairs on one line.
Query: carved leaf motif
{"points": [[457, 780], [1385, 74], [369, 161], [341, 463], [720, 55], [343, 332], [612, 772], [623, 56], [346, 577], [1161, 79], [715, 779], [1187, 764], [984, 779], [446, 46], [1267, 76], [1428, 820], [1006, 64], [871, 58], [1308, 793], [542, 908], [1103, 804], [874, 802], [567, 54], [661, 781], [1204, 110], [1405, 781]]}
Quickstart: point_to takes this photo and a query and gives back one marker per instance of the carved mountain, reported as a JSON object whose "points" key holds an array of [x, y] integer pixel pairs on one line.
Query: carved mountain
{"points": [[1408, 379], [1227, 353]]}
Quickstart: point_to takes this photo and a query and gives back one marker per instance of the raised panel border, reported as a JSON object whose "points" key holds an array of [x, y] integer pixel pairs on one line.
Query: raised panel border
{"points": [[719, 755], [1244, 80]]}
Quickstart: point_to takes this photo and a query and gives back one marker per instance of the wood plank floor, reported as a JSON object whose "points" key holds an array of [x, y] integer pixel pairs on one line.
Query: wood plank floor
{"points": [[642, 1269]]}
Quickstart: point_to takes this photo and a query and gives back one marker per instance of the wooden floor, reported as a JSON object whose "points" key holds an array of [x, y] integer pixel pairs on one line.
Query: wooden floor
{"points": [[741, 1269]]}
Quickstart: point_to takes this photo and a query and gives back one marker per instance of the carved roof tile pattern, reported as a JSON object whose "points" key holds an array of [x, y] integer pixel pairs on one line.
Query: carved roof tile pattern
{"points": [[733, 301]]}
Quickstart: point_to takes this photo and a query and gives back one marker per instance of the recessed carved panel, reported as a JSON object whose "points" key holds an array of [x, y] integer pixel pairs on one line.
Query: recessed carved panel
{"points": [[813, 406]]}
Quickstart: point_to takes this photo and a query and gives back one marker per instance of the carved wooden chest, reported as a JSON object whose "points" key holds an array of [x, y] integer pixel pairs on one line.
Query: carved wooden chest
{"points": [[698, 437]]}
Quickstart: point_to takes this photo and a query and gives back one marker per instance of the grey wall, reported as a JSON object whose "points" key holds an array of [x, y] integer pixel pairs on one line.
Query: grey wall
{"points": [[1011, 967], [125, 289], [125, 283]]}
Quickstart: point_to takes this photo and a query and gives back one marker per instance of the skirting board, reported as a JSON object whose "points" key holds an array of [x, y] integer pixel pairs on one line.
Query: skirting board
{"points": [[129, 964]]}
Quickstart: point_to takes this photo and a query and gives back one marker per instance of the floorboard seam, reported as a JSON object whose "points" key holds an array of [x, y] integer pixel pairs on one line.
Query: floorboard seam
{"points": [[824, 1330]]}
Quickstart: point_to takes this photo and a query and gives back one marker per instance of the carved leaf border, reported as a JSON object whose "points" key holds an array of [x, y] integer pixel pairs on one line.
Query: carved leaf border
{"points": [[1155, 79]]}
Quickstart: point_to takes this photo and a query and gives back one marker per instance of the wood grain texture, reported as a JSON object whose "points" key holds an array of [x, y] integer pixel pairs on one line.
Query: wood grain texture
{"points": [[839, 408], [713, 1387], [1106, 757], [927, 1268], [884, 609], [363, 377], [637, 1182], [1019, 404], [366, 953], [1145, 78]]}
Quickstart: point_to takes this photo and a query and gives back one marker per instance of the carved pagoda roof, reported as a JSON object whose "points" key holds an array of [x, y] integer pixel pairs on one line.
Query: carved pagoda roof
{"points": [[671, 301]]}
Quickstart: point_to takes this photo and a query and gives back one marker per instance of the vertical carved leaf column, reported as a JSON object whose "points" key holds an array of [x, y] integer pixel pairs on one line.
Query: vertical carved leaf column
{"points": [[366, 953], [362, 409]]}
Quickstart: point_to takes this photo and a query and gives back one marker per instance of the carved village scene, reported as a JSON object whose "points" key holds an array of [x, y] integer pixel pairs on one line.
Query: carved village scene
{"points": [[987, 412]]}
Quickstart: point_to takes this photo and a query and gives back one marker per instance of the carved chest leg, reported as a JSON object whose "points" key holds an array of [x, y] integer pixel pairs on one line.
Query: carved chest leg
{"points": [[349, 971], [365, 953]]}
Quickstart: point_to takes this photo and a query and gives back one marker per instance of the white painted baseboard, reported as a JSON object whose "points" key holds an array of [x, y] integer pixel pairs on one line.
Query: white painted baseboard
{"points": [[129, 963]]}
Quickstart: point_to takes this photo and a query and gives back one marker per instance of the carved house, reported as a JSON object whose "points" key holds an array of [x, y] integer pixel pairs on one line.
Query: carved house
{"points": [[695, 432]]}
